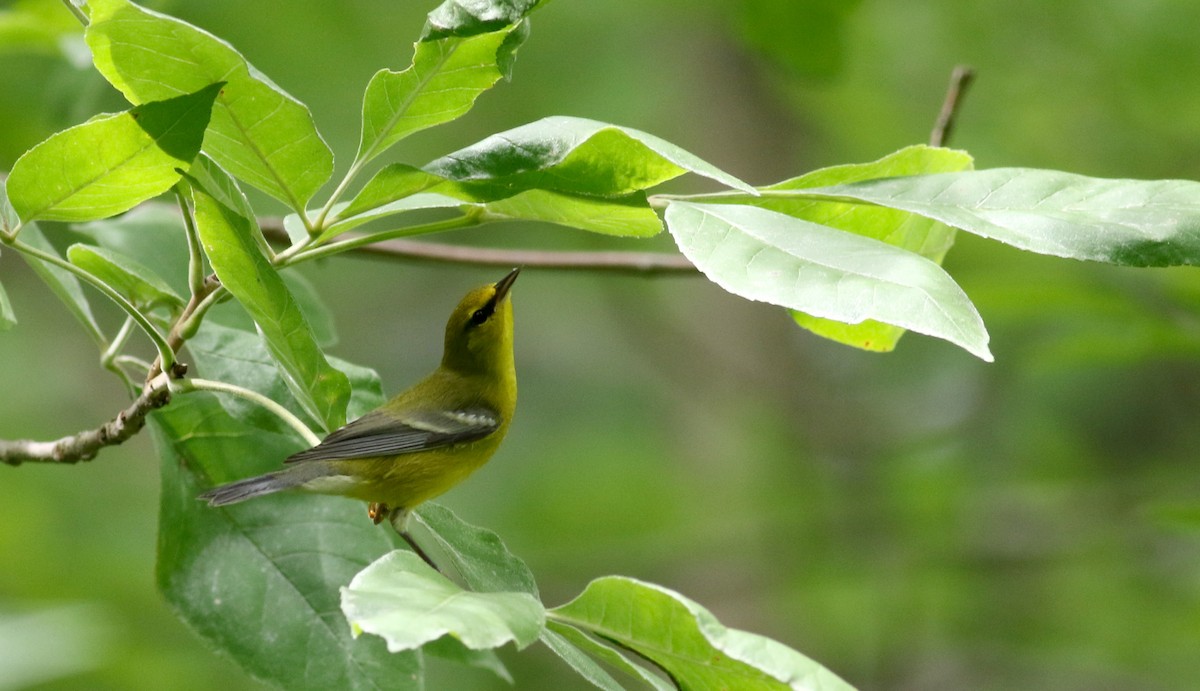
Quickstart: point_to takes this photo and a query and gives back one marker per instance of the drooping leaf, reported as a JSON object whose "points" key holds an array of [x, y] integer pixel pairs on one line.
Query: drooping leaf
{"points": [[904, 229], [478, 554], [570, 644], [259, 132], [126, 275], [111, 163], [233, 355], [686, 640], [452, 65], [767, 256], [402, 599], [259, 581], [575, 156], [1125, 222], [228, 240]]}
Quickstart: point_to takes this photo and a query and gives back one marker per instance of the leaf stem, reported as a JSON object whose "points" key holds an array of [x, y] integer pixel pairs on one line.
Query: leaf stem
{"points": [[195, 254], [193, 384], [166, 355], [83, 18]]}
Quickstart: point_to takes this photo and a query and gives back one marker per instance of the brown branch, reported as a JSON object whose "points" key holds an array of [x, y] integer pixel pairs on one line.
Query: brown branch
{"points": [[84, 445], [960, 79], [644, 263]]}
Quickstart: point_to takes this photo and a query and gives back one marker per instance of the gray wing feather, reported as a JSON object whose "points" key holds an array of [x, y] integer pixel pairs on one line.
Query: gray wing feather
{"points": [[379, 434]]}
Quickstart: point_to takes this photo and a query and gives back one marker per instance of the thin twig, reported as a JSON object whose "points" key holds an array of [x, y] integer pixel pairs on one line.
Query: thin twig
{"points": [[644, 263], [960, 79], [84, 445]]}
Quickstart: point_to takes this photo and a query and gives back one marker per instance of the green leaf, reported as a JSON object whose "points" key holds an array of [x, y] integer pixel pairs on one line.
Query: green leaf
{"points": [[126, 275], [452, 65], [228, 240], [395, 182], [478, 554], [767, 256], [409, 604], [926, 237], [151, 234], [575, 156], [232, 355], [259, 581], [8, 318], [463, 18], [583, 665], [1125, 222], [687, 641], [569, 643], [62, 282], [627, 216], [111, 163], [259, 133]]}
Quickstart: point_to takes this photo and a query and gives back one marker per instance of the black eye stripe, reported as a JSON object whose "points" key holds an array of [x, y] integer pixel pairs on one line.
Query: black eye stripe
{"points": [[482, 314]]}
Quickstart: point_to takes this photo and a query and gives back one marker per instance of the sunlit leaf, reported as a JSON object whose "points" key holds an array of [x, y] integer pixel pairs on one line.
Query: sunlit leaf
{"points": [[767, 256], [686, 640], [126, 275], [111, 163], [402, 599], [228, 240], [259, 133], [1127, 222], [575, 156]]}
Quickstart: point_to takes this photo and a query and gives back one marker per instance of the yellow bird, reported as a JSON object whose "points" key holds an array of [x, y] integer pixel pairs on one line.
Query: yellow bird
{"points": [[425, 440]]}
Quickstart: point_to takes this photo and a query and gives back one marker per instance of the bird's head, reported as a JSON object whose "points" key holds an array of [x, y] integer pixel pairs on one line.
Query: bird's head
{"points": [[479, 333]]}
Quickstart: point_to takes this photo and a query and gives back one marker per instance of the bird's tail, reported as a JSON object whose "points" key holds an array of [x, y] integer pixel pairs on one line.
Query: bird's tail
{"points": [[250, 488]]}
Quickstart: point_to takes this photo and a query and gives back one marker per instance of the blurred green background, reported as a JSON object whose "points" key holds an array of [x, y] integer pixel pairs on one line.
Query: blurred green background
{"points": [[918, 520]]}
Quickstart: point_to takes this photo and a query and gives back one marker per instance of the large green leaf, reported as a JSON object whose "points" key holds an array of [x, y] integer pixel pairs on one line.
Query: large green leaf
{"points": [[575, 156], [259, 133], [111, 163], [126, 275], [1127, 222], [767, 256], [259, 581], [228, 240], [915, 233], [451, 67], [687, 641], [402, 599]]}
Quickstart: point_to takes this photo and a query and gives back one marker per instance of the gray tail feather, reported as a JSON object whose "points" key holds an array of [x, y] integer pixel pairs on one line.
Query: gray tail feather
{"points": [[250, 488]]}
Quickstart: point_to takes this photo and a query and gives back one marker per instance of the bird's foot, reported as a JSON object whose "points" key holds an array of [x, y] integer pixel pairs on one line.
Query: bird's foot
{"points": [[377, 512]]}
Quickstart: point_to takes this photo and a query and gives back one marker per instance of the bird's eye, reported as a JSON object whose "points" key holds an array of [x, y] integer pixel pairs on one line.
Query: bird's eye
{"points": [[479, 317]]}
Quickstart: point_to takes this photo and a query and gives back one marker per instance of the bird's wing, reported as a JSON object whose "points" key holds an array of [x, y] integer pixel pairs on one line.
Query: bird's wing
{"points": [[384, 434]]}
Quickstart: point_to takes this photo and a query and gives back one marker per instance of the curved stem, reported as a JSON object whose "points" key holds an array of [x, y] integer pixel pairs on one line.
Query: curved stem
{"points": [[192, 384], [319, 223], [195, 254], [165, 354]]}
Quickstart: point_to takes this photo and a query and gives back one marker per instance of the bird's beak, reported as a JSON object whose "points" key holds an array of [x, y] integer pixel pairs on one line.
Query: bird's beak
{"points": [[505, 284]]}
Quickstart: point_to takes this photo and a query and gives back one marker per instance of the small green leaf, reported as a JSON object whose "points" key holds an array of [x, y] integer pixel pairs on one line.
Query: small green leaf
{"points": [[228, 240], [402, 599], [575, 156], [126, 275], [452, 65], [461, 18], [478, 554], [259, 581], [767, 256], [569, 643], [259, 133], [7, 316], [627, 216], [686, 640], [111, 163], [1125, 222]]}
